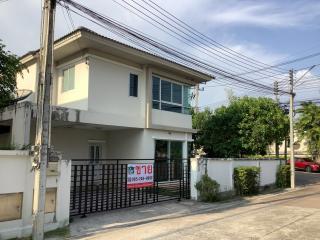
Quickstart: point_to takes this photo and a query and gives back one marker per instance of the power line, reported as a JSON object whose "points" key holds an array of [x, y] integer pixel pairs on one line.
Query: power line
{"points": [[183, 34], [229, 50], [125, 32]]}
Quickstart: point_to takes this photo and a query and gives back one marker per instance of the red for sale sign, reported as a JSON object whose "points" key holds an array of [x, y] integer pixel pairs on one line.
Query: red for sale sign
{"points": [[140, 175]]}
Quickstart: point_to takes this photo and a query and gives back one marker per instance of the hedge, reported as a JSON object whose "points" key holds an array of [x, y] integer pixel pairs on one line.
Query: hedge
{"points": [[246, 180], [283, 176], [208, 189]]}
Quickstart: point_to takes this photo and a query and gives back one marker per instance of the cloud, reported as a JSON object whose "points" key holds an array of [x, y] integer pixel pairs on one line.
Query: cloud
{"points": [[256, 51], [265, 14]]}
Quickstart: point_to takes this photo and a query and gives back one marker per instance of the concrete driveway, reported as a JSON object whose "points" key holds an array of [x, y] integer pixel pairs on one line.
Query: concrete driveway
{"points": [[289, 215]]}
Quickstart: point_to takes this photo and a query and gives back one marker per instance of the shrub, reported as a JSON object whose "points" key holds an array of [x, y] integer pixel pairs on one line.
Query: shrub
{"points": [[246, 180], [283, 176], [208, 189]]}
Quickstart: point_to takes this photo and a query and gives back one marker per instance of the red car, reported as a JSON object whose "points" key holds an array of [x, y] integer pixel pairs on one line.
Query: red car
{"points": [[306, 164]]}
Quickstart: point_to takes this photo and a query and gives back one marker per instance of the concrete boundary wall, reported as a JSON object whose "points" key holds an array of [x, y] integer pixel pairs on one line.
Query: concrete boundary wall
{"points": [[221, 170], [16, 194]]}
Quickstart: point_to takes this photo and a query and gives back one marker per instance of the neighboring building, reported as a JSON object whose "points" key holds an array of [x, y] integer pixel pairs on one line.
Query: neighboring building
{"points": [[110, 101], [300, 148]]}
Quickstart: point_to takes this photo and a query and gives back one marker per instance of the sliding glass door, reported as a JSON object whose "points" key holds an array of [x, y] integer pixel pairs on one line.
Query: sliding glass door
{"points": [[168, 155]]}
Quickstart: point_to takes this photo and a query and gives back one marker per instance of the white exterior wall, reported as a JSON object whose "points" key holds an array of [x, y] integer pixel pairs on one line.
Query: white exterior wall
{"points": [[221, 170], [78, 97], [73, 143], [16, 177], [109, 92], [140, 144], [28, 80], [171, 119], [101, 91]]}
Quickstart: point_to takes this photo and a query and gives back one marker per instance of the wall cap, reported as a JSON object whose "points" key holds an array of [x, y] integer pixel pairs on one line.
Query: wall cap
{"points": [[14, 153]]}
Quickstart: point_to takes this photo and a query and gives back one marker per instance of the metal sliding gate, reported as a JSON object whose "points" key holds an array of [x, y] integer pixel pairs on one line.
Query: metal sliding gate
{"points": [[102, 186]]}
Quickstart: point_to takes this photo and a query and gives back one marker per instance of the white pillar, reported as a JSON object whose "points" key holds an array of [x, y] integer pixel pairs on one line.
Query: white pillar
{"points": [[21, 123], [63, 193], [185, 150], [195, 176]]}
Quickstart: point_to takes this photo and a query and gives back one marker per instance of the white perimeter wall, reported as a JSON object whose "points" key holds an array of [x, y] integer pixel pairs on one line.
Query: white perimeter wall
{"points": [[221, 170], [16, 177]]}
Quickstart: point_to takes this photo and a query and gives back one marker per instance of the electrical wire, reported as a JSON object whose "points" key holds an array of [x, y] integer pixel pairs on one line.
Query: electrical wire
{"points": [[177, 55]]}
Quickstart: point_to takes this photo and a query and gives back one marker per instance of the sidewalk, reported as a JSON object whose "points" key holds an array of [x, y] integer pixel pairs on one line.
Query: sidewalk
{"points": [[271, 216]]}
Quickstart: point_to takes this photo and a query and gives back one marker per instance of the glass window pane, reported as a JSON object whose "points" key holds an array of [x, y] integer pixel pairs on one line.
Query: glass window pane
{"points": [[186, 100], [155, 88], [161, 160], [97, 153], [175, 160], [68, 79], [91, 152], [133, 85], [65, 80], [171, 107], [161, 149], [165, 91], [186, 96], [71, 78], [155, 105], [176, 93], [176, 150]]}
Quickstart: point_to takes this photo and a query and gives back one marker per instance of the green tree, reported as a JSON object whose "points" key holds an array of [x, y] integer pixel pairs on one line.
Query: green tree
{"points": [[246, 126], [308, 127], [10, 66]]}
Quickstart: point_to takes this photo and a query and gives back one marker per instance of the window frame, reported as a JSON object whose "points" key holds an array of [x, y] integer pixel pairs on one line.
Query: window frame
{"points": [[67, 68], [137, 90], [166, 102]]}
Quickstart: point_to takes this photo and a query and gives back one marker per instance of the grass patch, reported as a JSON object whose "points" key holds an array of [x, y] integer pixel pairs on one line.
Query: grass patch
{"points": [[60, 232]]}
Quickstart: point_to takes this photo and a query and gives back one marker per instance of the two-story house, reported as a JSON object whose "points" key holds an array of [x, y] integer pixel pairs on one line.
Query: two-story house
{"points": [[109, 101]]}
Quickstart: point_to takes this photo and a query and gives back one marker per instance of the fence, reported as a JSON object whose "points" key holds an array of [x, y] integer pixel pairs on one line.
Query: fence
{"points": [[103, 185], [221, 170], [16, 194]]}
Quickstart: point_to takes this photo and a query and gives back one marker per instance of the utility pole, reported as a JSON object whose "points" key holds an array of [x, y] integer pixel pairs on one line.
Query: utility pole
{"points": [[196, 96], [42, 141], [292, 162], [276, 93]]}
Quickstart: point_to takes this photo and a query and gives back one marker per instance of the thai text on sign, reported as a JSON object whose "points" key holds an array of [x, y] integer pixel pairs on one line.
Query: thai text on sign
{"points": [[140, 175]]}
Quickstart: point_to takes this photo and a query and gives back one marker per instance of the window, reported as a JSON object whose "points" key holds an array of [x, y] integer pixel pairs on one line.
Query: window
{"points": [[166, 91], [95, 150], [177, 93], [133, 89], [170, 96], [68, 79]]}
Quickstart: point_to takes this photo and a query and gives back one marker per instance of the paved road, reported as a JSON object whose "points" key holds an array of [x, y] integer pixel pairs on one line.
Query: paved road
{"points": [[304, 178], [290, 215]]}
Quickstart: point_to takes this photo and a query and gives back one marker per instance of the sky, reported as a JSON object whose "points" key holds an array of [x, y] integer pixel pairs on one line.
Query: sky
{"points": [[268, 31]]}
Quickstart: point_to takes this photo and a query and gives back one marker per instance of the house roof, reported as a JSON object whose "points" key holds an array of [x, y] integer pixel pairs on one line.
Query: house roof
{"points": [[84, 39]]}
